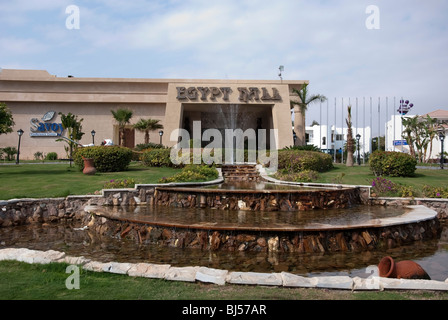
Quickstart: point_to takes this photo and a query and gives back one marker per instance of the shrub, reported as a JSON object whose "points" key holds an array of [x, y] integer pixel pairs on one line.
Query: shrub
{"points": [[51, 156], [300, 160], [435, 192], [150, 145], [192, 173], [38, 155], [120, 183], [394, 164], [302, 176], [106, 159], [10, 153], [383, 187], [157, 158]]}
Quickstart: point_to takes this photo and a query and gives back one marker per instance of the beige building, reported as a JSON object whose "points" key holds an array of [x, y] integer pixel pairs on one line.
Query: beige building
{"points": [[36, 98]]}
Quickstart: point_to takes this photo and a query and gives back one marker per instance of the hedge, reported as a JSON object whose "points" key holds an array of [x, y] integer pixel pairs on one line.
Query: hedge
{"points": [[391, 163], [300, 160], [106, 158]]}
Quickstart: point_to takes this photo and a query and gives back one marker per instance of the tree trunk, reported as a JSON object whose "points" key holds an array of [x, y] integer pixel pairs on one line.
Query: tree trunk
{"points": [[299, 126]]}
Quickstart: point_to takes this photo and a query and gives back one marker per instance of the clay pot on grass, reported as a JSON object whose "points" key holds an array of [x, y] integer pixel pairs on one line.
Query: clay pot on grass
{"points": [[89, 167], [406, 269]]}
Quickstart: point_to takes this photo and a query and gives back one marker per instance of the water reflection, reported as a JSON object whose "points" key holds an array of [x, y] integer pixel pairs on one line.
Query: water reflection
{"points": [[260, 220], [432, 255]]}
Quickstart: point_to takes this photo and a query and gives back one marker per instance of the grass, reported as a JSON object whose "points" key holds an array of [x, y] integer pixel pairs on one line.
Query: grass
{"points": [[22, 281], [361, 175], [60, 180]]}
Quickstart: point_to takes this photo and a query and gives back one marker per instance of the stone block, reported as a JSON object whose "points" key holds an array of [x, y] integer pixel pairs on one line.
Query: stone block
{"points": [[118, 267], [335, 282], [293, 280], [412, 284], [371, 283], [255, 278], [75, 260], [182, 274], [157, 271], [96, 266], [211, 275]]}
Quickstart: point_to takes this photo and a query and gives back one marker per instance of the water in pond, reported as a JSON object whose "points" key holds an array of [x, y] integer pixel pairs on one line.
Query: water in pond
{"points": [[318, 219], [432, 255]]}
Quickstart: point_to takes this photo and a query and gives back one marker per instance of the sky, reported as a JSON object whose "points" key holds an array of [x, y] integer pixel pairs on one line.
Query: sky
{"points": [[347, 49]]}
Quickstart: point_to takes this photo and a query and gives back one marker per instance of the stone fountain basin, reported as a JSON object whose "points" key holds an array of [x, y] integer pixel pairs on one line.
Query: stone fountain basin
{"points": [[209, 219]]}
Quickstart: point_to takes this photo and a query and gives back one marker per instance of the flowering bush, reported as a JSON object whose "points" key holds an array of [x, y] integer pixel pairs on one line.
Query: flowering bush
{"points": [[193, 173], [382, 186], [435, 192], [302, 176], [119, 183]]}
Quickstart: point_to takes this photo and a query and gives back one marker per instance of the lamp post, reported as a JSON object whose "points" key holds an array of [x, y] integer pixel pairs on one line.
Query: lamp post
{"points": [[20, 133], [161, 134], [93, 136], [358, 136], [442, 139]]}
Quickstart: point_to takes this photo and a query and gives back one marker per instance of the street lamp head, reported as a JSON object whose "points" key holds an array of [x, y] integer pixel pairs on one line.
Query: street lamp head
{"points": [[20, 132], [92, 133], [358, 136], [161, 133]]}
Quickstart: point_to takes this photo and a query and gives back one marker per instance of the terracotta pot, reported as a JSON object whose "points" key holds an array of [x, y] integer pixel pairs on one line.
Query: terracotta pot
{"points": [[406, 269], [89, 167]]}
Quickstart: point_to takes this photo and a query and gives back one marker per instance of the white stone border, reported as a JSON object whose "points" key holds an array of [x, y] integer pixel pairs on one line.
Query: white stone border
{"points": [[221, 277]]}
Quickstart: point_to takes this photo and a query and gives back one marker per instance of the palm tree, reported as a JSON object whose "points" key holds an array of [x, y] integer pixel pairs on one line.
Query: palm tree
{"points": [[431, 131], [146, 125], [302, 105], [409, 125], [350, 140], [123, 117]]}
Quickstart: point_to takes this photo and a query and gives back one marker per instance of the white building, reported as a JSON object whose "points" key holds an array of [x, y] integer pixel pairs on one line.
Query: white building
{"points": [[395, 141], [331, 139]]}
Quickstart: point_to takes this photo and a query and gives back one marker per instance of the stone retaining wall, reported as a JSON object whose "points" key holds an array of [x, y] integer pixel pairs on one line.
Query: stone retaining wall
{"points": [[438, 205], [272, 241], [23, 211]]}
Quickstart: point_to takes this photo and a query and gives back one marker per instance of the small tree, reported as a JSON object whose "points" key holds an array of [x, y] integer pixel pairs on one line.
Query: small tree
{"points": [[305, 100], [350, 140], [73, 126], [146, 125], [123, 117], [6, 119]]}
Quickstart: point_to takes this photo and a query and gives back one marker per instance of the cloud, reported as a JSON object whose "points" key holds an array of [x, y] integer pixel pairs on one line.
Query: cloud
{"points": [[325, 42]]}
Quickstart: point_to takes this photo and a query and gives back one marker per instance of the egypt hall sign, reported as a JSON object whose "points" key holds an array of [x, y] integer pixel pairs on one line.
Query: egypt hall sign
{"points": [[223, 93]]}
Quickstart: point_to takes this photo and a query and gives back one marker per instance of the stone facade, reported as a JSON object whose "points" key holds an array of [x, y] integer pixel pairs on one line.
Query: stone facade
{"points": [[275, 241], [257, 200]]}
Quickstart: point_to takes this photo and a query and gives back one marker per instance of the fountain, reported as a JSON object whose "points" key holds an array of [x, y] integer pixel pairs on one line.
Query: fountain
{"points": [[265, 217]]}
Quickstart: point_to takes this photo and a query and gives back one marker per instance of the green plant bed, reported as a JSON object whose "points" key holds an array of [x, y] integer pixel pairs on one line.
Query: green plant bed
{"points": [[59, 180], [293, 161], [106, 159]]}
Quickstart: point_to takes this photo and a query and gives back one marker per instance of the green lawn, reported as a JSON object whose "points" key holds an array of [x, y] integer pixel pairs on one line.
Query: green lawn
{"points": [[361, 175], [60, 180], [21, 281]]}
